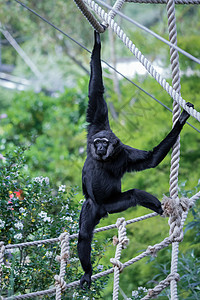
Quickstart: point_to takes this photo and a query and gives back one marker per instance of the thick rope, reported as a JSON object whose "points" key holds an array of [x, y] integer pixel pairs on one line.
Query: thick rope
{"points": [[89, 16], [175, 217], [148, 66], [190, 56], [75, 235], [152, 293], [63, 258], [2, 251], [191, 202], [151, 250], [112, 13], [165, 1], [121, 244]]}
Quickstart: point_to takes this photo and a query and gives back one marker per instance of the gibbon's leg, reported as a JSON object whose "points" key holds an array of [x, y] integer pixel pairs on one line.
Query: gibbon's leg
{"points": [[90, 216], [131, 198]]}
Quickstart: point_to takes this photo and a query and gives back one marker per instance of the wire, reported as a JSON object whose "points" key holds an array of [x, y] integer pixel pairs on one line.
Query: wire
{"points": [[80, 45], [55, 27], [149, 31]]}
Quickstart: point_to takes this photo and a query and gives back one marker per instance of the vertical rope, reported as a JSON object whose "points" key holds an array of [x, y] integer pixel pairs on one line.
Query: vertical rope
{"points": [[121, 244], [176, 149], [2, 251], [63, 258]]}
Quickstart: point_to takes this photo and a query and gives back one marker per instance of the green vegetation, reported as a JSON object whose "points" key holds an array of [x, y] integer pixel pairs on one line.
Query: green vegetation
{"points": [[43, 147]]}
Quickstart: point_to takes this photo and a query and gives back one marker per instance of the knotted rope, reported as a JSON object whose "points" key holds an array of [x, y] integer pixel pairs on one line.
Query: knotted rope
{"points": [[174, 59], [151, 250], [148, 66], [152, 293], [122, 242], [63, 258]]}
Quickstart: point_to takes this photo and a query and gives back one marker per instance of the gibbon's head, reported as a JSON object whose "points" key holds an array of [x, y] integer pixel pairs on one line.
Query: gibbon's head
{"points": [[103, 145]]}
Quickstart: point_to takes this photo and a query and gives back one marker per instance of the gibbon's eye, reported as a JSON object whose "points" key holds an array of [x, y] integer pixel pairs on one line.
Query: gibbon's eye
{"points": [[105, 143]]}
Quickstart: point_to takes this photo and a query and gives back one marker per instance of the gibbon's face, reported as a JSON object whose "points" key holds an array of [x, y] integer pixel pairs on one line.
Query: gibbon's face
{"points": [[101, 146]]}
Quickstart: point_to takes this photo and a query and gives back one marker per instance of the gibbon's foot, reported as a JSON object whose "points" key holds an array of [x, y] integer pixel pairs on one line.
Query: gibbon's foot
{"points": [[86, 278], [184, 116]]}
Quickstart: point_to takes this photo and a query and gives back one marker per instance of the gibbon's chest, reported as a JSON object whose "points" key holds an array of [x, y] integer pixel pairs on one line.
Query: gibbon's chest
{"points": [[105, 183]]}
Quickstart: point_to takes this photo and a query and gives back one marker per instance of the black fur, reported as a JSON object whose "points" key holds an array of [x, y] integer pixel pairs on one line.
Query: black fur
{"points": [[103, 170]]}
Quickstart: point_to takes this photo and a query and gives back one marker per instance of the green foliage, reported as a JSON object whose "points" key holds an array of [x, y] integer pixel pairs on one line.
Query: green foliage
{"points": [[53, 127], [31, 210], [188, 268]]}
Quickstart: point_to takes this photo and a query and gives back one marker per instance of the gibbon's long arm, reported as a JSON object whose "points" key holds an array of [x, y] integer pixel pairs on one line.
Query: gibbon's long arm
{"points": [[138, 160], [97, 112]]}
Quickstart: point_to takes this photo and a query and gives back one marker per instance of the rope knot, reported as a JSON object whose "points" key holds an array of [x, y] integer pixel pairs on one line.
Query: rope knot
{"points": [[185, 203], [162, 285], [152, 251], [123, 240], [64, 256], [59, 282], [167, 205], [115, 240], [174, 208], [117, 263]]}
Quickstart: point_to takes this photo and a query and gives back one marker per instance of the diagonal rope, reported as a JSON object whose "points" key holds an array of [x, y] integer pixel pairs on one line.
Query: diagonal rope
{"points": [[148, 31], [80, 45], [116, 7], [148, 66], [151, 250], [89, 16]]}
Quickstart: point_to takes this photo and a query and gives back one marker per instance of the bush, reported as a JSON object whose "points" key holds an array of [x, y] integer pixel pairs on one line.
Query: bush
{"points": [[31, 210]]}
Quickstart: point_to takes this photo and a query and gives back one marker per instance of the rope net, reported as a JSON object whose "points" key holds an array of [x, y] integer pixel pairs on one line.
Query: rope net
{"points": [[174, 208], [178, 213]]}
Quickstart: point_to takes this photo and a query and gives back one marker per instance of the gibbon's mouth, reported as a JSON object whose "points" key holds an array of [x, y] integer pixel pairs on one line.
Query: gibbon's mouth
{"points": [[101, 152]]}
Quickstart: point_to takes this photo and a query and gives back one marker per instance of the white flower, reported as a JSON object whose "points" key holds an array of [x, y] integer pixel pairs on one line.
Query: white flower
{"points": [[19, 225], [18, 236], [2, 223], [134, 293], [74, 259], [41, 179], [68, 219], [21, 210], [49, 254], [62, 188], [42, 214], [141, 288], [48, 219]]}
